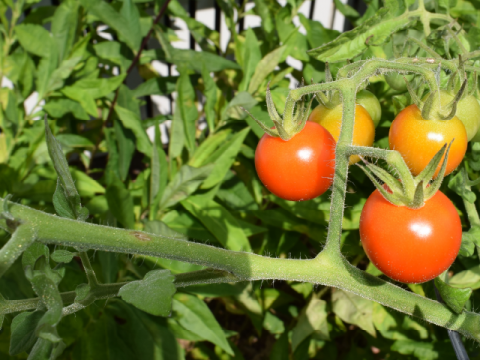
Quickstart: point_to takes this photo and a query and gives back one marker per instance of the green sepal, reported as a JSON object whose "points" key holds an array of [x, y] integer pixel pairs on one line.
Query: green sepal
{"points": [[455, 298], [435, 184], [270, 132], [388, 196], [272, 110]]}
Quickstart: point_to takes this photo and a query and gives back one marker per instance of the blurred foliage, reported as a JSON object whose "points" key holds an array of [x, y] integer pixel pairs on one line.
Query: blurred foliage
{"points": [[69, 62]]}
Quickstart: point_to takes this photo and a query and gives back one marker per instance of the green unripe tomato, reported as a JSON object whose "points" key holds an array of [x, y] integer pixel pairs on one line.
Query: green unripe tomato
{"points": [[371, 104], [397, 82], [468, 111], [476, 138]]}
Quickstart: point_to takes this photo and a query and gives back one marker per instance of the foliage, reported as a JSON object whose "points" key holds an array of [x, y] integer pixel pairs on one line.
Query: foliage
{"points": [[201, 186]]}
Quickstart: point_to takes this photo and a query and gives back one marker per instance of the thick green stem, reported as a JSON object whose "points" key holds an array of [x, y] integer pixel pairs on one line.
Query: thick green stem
{"points": [[325, 270], [341, 171], [20, 240]]}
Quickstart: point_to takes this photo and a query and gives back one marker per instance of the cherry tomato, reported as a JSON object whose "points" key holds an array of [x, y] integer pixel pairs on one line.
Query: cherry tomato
{"points": [[371, 104], [411, 245], [418, 140], [468, 111], [331, 119], [298, 169]]}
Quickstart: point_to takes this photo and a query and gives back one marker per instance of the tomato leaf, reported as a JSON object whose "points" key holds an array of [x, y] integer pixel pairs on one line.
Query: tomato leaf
{"points": [[66, 198], [194, 315], [353, 43], [153, 294], [455, 298]]}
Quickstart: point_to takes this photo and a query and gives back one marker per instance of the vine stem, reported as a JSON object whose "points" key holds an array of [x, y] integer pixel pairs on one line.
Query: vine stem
{"points": [[105, 291], [326, 269]]}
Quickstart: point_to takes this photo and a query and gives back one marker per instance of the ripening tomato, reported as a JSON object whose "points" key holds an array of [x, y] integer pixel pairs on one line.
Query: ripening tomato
{"points": [[411, 245], [298, 169], [418, 140], [468, 111], [331, 119]]}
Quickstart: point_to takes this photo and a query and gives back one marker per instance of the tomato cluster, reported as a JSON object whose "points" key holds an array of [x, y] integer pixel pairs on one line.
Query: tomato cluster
{"points": [[408, 245]]}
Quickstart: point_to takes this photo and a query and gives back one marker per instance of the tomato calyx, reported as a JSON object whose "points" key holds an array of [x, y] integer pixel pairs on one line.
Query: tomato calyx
{"points": [[292, 122], [431, 108], [408, 190]]}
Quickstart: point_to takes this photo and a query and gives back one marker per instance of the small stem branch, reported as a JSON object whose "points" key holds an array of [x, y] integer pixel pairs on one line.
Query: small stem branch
{"points": [[91, 277], [470, 208], [20, 240], [105, 291]]}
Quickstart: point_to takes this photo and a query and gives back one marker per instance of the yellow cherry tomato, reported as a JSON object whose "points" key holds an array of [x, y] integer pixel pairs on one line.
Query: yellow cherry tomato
{"points": [[331, 119]]}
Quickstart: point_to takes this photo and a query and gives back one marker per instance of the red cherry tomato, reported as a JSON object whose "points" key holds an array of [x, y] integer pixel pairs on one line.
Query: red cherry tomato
{"points": [[298, 169], [411, 245]]}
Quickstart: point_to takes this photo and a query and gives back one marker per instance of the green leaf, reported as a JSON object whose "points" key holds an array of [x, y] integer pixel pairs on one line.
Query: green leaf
{"points": [[157, 86], [185, 182], [353, 43], [469, 278], [34, 39], [66, 198], [23, 335], [74, 141], [120, 202], [153, 294], [353, 309], [58, 108], [132, 121], [64, 26], [34, 251], [455, 298], [348, 11], [458, 184], [234, 108], [273, 323], [312, 320], [186, 110], [107, 14], [468, 246], [210, 93], [117, 53], [195, 316], [265, 67], [203, 153], [158, 175], [83, 97], [62, 256], [132, 23], [126, 147], [251, 58], [97, 88], [219, 221], [223, 158], [421, 350]]}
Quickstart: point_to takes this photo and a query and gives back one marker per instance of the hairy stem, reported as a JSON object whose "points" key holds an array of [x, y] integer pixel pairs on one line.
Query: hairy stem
{"points": [[325, 270]]}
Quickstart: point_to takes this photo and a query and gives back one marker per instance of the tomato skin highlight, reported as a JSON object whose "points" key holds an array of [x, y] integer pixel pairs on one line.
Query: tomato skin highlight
{"points": [[331, 119], [299, 169], [411, 245], [418, 140]]}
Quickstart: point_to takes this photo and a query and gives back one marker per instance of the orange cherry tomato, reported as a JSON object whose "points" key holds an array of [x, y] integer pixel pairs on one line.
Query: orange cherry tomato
{"points": [[418, 140], [411, 245], [298, 169], [331, 119]]}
